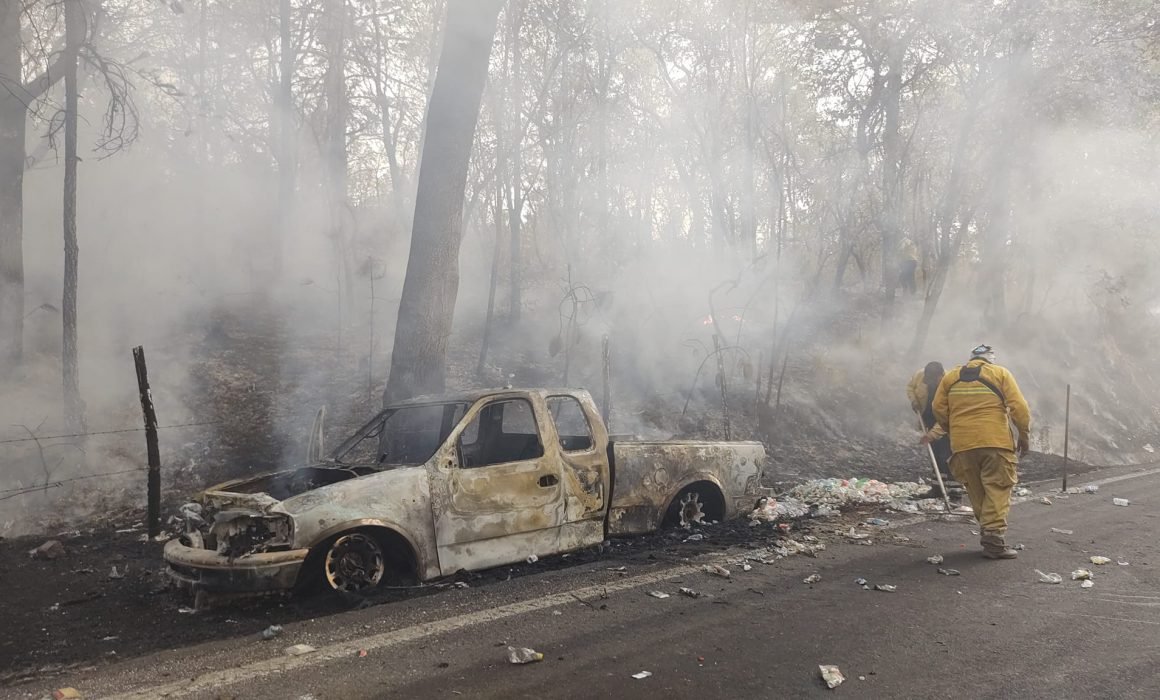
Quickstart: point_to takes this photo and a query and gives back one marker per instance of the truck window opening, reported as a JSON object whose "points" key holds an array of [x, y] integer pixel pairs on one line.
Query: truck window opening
{"points": [[502, 432], [571, 424]]}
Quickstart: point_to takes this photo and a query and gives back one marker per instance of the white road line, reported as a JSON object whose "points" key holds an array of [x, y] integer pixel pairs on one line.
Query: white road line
{"points": [[1078, 478], [213, 680], [1125, 477], [1102, 617], [1138, 604]]}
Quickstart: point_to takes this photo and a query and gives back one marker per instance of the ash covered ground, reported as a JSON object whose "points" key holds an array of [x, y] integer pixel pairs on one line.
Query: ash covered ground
{"points": [[68, 613]]}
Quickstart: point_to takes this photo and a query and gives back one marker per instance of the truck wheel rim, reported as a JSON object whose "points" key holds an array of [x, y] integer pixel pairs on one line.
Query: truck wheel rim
{"points": [[354, 563], [692, 511]]}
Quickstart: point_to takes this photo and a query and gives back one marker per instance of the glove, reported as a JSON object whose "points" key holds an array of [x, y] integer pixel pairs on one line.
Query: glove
{"points": [[1024, 445]]}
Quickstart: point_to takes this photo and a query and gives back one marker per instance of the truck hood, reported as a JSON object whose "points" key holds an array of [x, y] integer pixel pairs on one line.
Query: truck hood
{"points": [[256, 513], [265, 490], [272, 487], [398, 497]]}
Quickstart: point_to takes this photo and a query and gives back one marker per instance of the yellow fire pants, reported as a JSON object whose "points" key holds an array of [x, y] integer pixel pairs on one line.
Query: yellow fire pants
{"points": [[988, 474]]}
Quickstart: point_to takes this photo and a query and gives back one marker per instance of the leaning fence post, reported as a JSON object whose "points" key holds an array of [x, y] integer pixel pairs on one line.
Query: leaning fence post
{"points": [[153, 514], [1066, 429]]}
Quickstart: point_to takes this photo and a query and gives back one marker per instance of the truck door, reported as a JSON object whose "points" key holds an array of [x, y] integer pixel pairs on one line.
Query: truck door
{"points": [[584, 454], [503, 499]]}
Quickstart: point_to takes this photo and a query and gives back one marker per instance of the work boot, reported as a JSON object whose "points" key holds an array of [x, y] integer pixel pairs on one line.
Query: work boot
{"points": [[1004, 553], [955, 494], [995, 547]]}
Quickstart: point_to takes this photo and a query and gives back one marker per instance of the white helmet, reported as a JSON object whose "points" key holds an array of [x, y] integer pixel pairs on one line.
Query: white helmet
{"points": [[983, 352]]}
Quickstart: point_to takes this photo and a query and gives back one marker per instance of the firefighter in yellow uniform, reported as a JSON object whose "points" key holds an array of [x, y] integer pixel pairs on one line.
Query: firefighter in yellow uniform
{"points": [[976, 403], [921, 391]]}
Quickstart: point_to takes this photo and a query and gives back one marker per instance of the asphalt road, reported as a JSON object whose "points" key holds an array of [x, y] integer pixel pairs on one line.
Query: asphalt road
{"points": [[992, 632]]}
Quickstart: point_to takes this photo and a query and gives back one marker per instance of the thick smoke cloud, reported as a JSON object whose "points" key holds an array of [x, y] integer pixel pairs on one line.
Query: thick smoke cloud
{"points": [[666, 151]]}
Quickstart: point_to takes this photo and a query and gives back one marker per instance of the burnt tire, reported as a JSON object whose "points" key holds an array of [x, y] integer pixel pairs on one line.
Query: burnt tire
{"points": [[356, 563], [703, 498]]}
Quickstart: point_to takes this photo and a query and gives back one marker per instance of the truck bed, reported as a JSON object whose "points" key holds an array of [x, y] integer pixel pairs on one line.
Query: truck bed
{"points": [[649, 474]]}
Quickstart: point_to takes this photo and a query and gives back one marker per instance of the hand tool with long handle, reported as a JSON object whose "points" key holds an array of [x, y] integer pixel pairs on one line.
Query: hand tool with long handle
{"points": [[934, 463]]}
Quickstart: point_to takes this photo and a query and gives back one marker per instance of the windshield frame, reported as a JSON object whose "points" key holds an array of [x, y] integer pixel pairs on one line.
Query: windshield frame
{"points": [[373, 428]]}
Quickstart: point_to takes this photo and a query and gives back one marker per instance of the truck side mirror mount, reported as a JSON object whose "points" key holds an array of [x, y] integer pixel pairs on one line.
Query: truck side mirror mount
{"points": [[314, 446]]}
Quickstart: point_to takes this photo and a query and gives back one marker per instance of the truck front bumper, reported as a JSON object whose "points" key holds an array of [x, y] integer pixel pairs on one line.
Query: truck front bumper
{"points": [[204, 570]]}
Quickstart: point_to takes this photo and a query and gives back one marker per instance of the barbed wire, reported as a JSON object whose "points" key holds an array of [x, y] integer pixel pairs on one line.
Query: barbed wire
{"points": [[5, 494], [104, 432]]}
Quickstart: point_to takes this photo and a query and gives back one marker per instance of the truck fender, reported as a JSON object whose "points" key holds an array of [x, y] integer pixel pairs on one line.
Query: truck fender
{"points": [[685, 483], [420, 555]]}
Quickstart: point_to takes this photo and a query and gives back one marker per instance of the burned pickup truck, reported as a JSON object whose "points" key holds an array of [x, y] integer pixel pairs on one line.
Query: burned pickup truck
{"points": [[430, 487]]}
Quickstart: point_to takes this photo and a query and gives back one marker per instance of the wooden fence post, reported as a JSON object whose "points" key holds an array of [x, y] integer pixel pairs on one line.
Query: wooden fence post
{"points": [[1066, 434], [153, 515]]}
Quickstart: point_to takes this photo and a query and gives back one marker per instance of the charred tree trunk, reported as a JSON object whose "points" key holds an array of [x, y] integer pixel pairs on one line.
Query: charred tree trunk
{"points": [[12, 126], [891, 181], [492, 284], [334, 148], [286, 152], [515, 123], [70, 371], [427, 305], [15, 100], [439, 16]]}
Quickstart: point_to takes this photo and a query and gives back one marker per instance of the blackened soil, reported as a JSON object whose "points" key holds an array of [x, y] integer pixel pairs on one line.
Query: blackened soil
{"points": [[68, 613]]}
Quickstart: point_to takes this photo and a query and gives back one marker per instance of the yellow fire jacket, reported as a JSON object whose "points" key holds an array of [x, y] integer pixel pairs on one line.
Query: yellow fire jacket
{"points": [[974, 415], [916, 392]]}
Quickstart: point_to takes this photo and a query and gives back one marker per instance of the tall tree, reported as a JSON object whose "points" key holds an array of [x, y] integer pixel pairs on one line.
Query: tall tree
{"points": [[1016, 72], [17, 99], [284, 122], [74, 32], [334, 144], [892, 173], [427, 305], [515, 122]]}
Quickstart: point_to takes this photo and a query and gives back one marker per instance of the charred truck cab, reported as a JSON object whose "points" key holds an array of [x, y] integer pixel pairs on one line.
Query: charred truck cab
{"points": [[432, 486]]}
